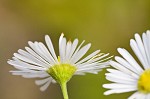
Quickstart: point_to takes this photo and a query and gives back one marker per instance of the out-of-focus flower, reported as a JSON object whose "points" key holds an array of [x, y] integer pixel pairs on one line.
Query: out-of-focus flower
{"points": [[128, 74]]}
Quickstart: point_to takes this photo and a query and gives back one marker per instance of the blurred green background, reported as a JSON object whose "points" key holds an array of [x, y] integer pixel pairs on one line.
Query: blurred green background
{"points": [[107, 24]]}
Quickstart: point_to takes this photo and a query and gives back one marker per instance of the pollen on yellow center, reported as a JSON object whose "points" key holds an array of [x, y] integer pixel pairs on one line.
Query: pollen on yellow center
{"points": [[144, 82], [62, 72]]}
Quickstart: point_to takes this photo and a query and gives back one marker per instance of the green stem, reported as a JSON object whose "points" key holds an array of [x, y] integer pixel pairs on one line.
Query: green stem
{"points": [[64, 90]]}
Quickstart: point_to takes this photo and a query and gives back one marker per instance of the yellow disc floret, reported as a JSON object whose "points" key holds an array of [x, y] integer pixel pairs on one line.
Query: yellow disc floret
{"points": [[144, 82], [62, 72]]}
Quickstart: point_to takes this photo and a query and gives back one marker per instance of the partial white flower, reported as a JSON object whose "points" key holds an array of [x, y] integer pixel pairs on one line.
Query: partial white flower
{"points": [[40, 61], [129, 75]]}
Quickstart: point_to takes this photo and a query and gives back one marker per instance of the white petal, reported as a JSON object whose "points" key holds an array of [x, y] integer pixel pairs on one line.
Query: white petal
{"points": [[138, 53], [62, 49], [147, 96], [96, 59], [42, 52], [121, 77], [53, 81], [37, 56], [43, 81], [25, 65], [113, 91], [80, 53], [120, 73], [45, 86], [73, 47], [88, 57], [130, 59], [26, 59], [60, 39], [116, 80], [138, 95], [30, 74], [68, 50], [146, 45], [120, 67], [38, 50], [142, 50], [31, 57], [76, 51], [50, 46], [99, 58], [119, 86], [133, 96], [46, 52], [125, 63]]}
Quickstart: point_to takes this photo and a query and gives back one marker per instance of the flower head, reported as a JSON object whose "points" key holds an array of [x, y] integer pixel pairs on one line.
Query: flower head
{"points": [[129, 75], [40, 61]]}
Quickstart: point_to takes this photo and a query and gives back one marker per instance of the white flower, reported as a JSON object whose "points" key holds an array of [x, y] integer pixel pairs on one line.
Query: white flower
{"points": [[40, 61], [128, 75]]}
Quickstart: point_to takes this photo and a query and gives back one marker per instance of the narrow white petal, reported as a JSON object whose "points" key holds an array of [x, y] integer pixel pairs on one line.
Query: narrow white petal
{"points": [[60, 46], [142, 96], [120, 67], [88, 57], [76, 51], [120, 73], [138, 53], [60, 39], [38, 50], [119, 86], [37, 56], [33, 75], [25, 65], [53, 81], [141, 47], [92, 71], [148, 96], [130, 59], [80, 53], [146, 45], [114, 91], [133, 96], [125, 63], [25, 59], [43, 81], [138, 95], [50, 46], [46, 52], [73, 47], [99, 58], [68, 50], [30, 74], [122, 77], [33, 58], [142, 50], [45, 86], [42, 52], [62, 49], [116, 80], [79, 73], [91, 68]]}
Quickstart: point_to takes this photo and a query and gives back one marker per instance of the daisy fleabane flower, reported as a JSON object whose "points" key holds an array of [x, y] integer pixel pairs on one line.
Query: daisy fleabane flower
{"points": [[40, 61], [129, 75]]}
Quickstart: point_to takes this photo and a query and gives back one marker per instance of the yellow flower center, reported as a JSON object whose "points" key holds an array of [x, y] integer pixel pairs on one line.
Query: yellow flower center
{"points": [[144, 82], [62, 72]]}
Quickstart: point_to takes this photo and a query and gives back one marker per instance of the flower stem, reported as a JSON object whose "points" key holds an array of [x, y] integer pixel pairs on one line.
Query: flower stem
{"points": [[64, 90]]}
